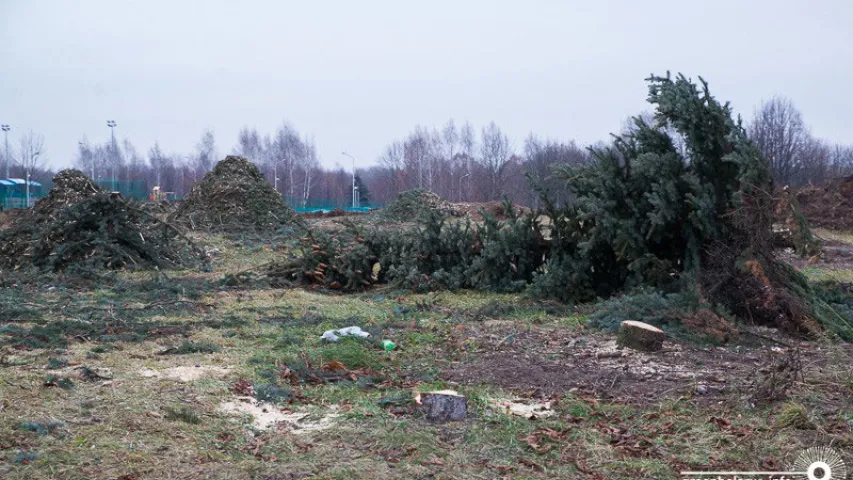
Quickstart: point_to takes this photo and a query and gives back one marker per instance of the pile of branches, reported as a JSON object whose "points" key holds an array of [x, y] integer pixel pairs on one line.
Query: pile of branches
{"points": [[830, 206], [78, 224], [496, 256], [646, 214], [791, 229], [412, 204], [69, 187], [234, 196]]}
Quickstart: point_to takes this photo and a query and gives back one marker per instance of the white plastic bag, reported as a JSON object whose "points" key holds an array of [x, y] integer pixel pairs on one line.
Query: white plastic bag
{"points": [[334, 335]]}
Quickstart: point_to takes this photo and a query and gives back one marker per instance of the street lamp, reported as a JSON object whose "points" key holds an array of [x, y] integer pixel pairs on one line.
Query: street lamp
{"points": [[354, 188], [112, 125], [275, 173], [6, 129]]}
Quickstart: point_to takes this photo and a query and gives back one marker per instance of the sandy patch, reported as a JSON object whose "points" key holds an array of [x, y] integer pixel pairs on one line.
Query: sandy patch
{"points": [[187, 374], [529, 411], [265, 415]]}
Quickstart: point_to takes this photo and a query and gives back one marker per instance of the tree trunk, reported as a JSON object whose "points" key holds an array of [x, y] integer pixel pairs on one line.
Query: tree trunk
{"points": [[640, 336], [443, 406]]}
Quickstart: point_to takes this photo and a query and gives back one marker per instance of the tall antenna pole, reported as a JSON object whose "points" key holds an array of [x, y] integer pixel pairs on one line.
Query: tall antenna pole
{"points": [[6, 129], [112, 125]]}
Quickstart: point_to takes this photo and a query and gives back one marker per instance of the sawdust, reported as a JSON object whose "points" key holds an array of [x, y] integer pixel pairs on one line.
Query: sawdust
{"points": [[187, 374], [265, 415], [530, 411]]}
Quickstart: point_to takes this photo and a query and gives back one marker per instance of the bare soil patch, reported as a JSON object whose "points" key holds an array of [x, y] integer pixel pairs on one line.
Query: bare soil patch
{"points": [[546, 363]]}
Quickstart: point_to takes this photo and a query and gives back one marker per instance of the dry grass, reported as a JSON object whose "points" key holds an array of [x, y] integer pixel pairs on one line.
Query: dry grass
{"points": [[159, 427]]}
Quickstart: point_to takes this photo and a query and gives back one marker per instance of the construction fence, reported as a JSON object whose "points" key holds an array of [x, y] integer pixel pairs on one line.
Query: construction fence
{"points": [[326, 205]]}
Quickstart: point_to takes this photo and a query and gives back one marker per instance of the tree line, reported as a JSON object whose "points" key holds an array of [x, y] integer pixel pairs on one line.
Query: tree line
{"points": [[460, 163]]}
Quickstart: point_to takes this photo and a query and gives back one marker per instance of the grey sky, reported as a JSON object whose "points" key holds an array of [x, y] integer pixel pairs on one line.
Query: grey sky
{"points": [[358, 74]]}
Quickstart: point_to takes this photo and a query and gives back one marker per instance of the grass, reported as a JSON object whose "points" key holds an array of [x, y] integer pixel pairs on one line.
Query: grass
{"points": [[182, 413], [158, 427], [793, 415]]}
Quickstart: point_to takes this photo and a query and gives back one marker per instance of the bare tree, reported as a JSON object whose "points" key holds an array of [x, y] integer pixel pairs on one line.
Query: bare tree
{"points": [[540, 159], [417, 154], [781, 136], [309, 165], [494, 155], [815, 156], [31, 154], [205, 154], [158, 162], [467, 144], [393, 159], [249, 144], [840, 161]]}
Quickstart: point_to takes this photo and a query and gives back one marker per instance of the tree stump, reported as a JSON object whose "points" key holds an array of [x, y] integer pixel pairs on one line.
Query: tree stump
{"points": [[443, 406], [640, 336]]}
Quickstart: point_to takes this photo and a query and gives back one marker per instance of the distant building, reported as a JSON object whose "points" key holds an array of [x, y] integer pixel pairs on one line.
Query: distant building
{"points": [[13, 192]]}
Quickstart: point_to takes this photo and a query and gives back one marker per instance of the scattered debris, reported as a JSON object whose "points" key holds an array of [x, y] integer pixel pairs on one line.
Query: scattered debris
{"points": [[188, 347], [353, 331], [773, 381], [95, 373], [640, 336], [41, 428], [443, 406], [234, 196]]}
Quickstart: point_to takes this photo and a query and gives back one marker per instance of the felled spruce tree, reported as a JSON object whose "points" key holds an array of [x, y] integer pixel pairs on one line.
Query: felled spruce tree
{"points": [[648, 213], [434, 254]]}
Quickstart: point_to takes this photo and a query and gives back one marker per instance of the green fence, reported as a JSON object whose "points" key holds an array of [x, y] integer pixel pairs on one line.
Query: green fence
{"points": [[137, 189], [325, 205], [13, 193]]}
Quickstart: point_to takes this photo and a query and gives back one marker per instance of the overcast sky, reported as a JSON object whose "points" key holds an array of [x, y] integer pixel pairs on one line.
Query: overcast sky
{"points": [[356, 75]]}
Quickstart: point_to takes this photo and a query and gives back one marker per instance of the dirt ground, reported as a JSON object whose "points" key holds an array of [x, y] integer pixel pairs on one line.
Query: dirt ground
{"points": [[553, 362], [161, 375]]}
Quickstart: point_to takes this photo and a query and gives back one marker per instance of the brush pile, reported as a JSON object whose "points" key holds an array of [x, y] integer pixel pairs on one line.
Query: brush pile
{"points": [[233, 197], [830, 206], [78, 224], [412, 204]]}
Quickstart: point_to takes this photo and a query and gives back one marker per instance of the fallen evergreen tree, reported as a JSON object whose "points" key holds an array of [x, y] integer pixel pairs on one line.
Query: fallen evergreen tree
{"points": [[692, 221]]}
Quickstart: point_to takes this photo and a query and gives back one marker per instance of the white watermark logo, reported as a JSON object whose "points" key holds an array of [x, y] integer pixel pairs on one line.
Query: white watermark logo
{"points": [[817, 463]]}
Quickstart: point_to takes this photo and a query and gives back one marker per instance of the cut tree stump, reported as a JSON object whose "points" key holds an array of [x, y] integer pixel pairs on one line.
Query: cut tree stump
{"points": [[443, 406], [640, 336]]}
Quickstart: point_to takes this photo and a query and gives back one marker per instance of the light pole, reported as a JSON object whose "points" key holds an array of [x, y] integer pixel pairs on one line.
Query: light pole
{"points": [[6, 129], [112, 125], [127, 168], [275, 173], [354, 188]]}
